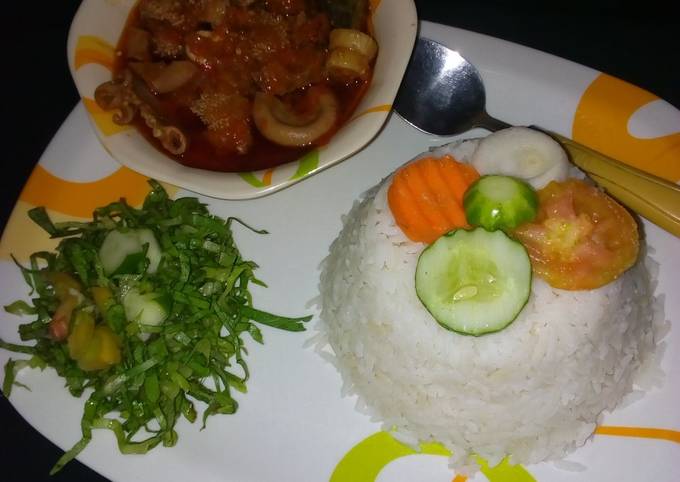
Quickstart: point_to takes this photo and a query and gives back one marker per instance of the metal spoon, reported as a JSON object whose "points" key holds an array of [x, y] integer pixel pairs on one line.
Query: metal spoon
{"points": [[443, 94]]}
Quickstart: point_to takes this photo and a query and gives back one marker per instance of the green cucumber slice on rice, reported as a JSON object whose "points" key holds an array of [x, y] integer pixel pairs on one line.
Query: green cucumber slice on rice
{"points": [[500, 202], [474, 281]]}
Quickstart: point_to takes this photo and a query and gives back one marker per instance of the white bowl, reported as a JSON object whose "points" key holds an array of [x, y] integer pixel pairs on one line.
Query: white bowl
{"points": [[94, 33]]}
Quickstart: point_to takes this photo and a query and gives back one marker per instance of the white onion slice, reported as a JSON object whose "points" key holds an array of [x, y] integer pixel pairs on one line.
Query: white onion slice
{"points": [[524, 153]]}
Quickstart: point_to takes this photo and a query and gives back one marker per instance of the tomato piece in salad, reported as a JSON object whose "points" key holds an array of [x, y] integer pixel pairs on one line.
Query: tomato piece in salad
{"points": [[581, 238]]}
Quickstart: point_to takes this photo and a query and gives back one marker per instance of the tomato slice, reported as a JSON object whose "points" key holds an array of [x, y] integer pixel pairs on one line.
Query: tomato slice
{"points": [[581, 238]]}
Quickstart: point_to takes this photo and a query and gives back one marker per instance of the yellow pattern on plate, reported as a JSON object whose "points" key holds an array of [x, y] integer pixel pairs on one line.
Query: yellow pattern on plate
{"points": [[640, 432], [81, 198], [377, 108], [366, 459], [369, 457], [22, 237], [91, 49], [601, 122]]}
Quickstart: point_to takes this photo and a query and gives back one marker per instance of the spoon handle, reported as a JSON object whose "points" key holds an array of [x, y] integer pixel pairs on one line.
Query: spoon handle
{"points": [[649, 196], [485, 121]]}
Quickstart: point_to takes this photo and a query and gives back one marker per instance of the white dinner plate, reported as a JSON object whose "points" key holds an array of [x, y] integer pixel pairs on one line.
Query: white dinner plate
{"points": [[293, 424]]}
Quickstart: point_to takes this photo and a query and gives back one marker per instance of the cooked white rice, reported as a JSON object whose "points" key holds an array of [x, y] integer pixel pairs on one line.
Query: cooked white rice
{"points": [[534, 390]]}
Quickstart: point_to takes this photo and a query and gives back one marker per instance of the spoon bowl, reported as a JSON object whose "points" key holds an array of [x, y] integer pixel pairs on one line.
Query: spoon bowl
{"points": [[443, 94]]}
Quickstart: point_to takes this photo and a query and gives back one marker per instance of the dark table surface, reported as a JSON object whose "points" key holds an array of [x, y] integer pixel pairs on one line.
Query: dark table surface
{"points": [[638, 44]]}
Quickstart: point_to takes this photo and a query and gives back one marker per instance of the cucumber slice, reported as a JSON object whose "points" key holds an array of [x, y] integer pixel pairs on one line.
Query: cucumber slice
{"points": [[474, 282], [500, 202], [153, 252], [147, 309], [121, 252]]}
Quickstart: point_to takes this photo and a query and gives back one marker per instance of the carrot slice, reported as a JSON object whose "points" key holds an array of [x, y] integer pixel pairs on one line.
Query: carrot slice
{"points": [[412, 219], [426, 197]]}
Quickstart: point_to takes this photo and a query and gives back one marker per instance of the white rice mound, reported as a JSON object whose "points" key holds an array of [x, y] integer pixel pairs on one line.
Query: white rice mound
{"points": [[535, 390]]}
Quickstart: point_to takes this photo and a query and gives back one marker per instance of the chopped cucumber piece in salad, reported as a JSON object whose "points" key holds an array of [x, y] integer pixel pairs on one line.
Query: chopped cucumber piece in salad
{"points": [[149, 310], [123, 251], [474, 282]]}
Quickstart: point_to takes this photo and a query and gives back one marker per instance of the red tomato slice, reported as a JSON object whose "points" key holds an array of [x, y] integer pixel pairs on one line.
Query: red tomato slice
{"points": [[581, 238]]}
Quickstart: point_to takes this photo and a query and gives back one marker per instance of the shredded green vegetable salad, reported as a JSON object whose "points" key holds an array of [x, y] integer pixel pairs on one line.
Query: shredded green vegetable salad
{"points": [[142, 374]]}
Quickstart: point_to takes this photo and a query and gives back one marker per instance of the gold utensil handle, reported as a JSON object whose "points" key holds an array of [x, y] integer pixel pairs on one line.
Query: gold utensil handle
{"points": [[646, 194]]}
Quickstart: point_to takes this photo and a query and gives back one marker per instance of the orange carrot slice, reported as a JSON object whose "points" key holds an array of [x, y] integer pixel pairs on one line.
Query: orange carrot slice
{"points": [[426, 197]]}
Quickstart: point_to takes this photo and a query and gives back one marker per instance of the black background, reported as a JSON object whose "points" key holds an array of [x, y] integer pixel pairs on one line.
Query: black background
{"points": [[637, 43]]}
